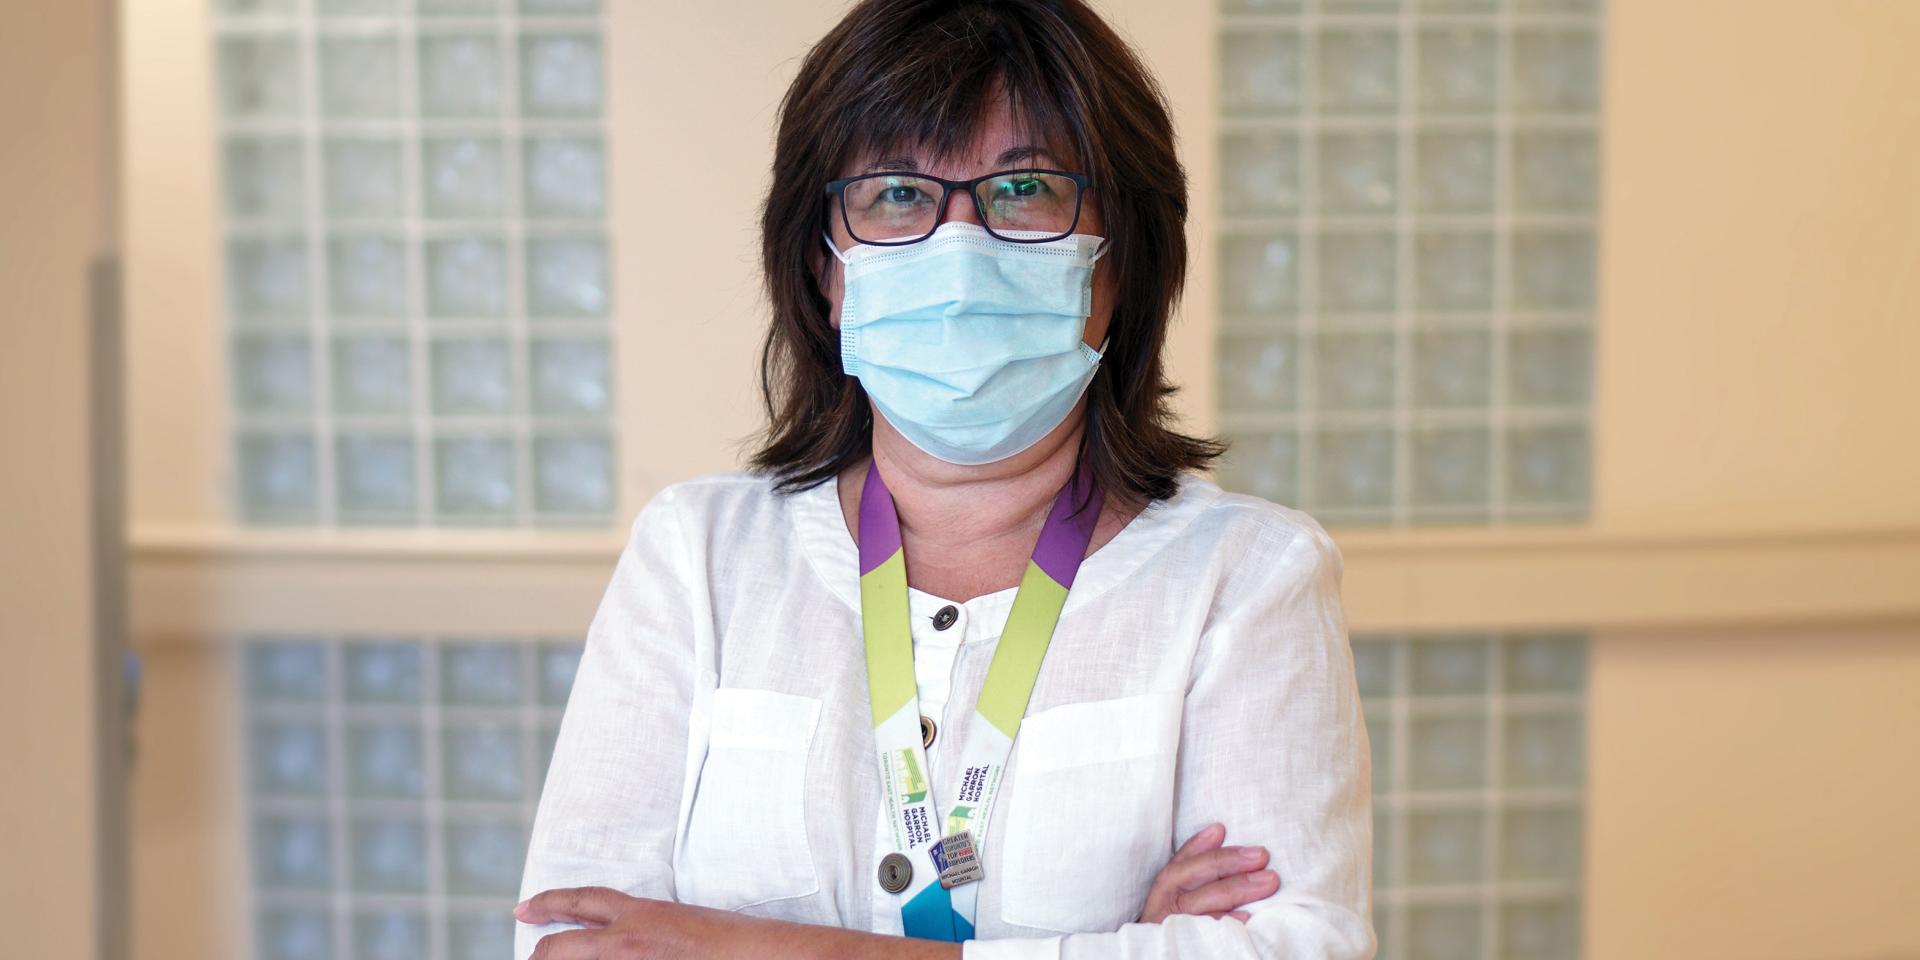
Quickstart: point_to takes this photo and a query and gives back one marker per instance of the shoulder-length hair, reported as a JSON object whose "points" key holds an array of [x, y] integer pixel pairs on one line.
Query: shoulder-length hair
{"points": [[920, 74]]}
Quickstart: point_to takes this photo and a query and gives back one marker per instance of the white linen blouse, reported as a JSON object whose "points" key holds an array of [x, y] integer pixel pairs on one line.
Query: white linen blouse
{"points": [[717, 748]]}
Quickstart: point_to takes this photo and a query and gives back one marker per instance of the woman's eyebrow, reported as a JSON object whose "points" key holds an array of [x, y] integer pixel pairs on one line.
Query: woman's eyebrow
{"points": [[1025, 151], [908, 164]]}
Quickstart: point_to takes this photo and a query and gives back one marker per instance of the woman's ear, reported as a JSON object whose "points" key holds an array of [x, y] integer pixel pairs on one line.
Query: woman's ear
{"points": [[827, 278]]}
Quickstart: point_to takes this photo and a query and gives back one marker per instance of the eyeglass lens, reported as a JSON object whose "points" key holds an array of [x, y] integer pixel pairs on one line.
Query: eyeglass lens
{"points": [[904, 206]]}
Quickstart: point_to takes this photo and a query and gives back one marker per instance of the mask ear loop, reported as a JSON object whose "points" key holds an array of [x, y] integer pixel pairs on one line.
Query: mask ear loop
{"points": [[1106, 244], [827, 238]]}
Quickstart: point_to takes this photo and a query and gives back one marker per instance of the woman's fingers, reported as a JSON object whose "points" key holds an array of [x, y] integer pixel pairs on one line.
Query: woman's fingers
{"points": [[593, 906], [1205, 839], [1207, 866], [586, 944], [1223, 895]]}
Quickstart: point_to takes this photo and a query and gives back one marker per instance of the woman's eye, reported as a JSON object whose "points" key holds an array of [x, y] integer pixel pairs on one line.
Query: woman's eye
{"points": [[1022, 189], [901, 195]]}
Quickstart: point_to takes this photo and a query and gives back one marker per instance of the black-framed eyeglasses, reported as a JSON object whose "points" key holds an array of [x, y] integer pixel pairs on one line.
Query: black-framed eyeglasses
{"points": [[1021, 206]]}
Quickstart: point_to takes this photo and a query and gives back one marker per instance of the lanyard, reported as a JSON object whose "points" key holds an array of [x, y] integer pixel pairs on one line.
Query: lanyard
{"points": [[949, 850]]}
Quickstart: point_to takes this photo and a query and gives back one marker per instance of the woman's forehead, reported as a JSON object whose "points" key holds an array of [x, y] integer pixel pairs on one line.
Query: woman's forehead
{"points": [[1000, 138]]}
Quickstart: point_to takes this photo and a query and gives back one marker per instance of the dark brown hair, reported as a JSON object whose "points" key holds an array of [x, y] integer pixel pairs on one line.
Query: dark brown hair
{"points": [[921, 73]]}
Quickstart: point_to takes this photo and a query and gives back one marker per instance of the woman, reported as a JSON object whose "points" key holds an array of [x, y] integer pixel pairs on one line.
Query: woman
{"points": [[948, 673]]}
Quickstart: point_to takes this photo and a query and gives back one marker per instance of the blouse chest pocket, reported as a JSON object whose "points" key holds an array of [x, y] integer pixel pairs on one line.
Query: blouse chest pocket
{"points": [[746, 840], [1089, 815]]}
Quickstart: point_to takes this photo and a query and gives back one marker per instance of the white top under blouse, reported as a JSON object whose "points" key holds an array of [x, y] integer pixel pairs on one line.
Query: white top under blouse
{"points": [[717, 748]]}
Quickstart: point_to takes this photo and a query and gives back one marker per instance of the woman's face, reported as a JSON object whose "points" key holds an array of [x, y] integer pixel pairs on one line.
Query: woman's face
{"points": [[999, 145]]}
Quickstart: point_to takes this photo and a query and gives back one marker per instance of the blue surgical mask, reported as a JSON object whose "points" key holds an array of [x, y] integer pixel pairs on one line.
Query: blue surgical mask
{"points": [[968, 344]]}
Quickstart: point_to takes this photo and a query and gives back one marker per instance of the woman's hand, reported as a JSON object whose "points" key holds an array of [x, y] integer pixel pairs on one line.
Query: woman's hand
{"points": [[620, 927], [1206, 879], [617, 926]]}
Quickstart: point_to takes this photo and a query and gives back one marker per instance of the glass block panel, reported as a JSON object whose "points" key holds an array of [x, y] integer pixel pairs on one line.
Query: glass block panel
{"points": [[1553, 270], [1555, 171], [1547, 464], [376, 475], [1260, 72], [475, 477], [1450, 666], [1355, 468], [1540, 844], [472, 375], [457, 8], [289, 757], [1549, 367], [1455, 273], [565, 177], [386, 760], [567, 276], [1359, 171], [1452, 466], [467, 277], [1260, 371], [464, 177], [479, 936], [1448, 752], [389, 855], [1259, 171], [286, 670], [558, 665], [556, 7], [265, 178], [481, 674], [368, 276], [1459, 69], [1358, 272], [1546, 750], [1454, 170], [1540, 930], [1373, 665], [482, 761], [293, 852], [360, 76], [560, 74], [391, 935], [372, 374], [485, 856], [295, 933], [571, 377], [1546, 662], [1556, 69], [573, 474], [364, 179], [267, 278], [1443, 932], [415, 851], [273, 373], [1452, 368], [1265, 464], [1259, 274], [385, 672], [1445, 848], [1380, 741], [1359, 70], [461, 75], [1356, 371], [260, 76], [277, 476]]}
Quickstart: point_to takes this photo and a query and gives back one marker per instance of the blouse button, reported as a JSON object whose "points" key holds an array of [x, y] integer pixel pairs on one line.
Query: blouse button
{"points": [[945, 617], [896, 872]]}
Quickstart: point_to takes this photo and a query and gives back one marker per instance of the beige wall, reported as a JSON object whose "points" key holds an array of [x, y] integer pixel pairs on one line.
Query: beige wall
{"points": [[1749, 568], [55, 216]]}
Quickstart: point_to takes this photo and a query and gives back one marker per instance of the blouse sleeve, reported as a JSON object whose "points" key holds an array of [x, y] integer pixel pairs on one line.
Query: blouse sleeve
{"points": [[1274, 746], [611, 803]]}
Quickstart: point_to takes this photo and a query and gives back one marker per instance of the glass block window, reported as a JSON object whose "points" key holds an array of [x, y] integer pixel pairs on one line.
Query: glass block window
{"points": [[1479, 760], [1407, 256], [416, 257], [391, 784]]}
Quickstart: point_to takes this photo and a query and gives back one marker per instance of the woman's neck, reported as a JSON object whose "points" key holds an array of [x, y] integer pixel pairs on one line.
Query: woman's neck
{"points": [[968, 530]]}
